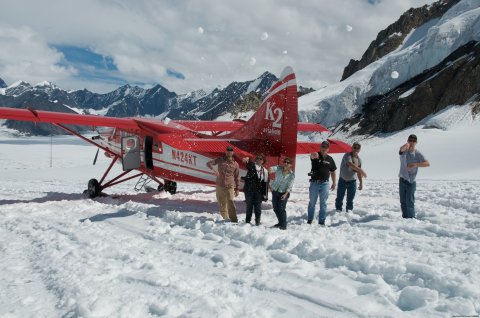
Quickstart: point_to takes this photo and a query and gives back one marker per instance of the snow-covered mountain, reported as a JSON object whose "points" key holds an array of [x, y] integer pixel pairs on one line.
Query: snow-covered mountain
{"points": [[434, 66], [127, 101]]}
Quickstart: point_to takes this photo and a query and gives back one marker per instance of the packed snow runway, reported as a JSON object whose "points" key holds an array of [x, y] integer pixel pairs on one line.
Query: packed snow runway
{"points": [[140, 255]]}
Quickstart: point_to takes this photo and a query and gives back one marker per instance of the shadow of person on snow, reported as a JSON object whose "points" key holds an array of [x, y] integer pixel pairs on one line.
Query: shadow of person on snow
{"points": [[50, 196], [102, 217]]}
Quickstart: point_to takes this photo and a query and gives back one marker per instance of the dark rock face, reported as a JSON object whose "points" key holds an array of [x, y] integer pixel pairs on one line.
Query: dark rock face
{"points": [[391, 38], [476, 109], [249, 102], [220, 101], [454, 81], [2, 84], [304, 90], [128, 101]]}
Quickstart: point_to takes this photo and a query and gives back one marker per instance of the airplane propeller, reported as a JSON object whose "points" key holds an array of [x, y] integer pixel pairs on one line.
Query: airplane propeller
{"points": [[96, 156]]}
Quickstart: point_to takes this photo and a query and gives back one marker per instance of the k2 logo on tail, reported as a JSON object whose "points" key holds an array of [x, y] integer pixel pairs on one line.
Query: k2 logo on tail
{"points": [[274, 115]]}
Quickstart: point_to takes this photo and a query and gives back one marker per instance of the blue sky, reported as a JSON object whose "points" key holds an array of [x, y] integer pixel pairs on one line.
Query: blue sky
{"points": [[186, 45]]}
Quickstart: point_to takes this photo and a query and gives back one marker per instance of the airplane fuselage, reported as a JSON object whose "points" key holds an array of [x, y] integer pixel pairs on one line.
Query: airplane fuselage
{"points": [[167, 162]]}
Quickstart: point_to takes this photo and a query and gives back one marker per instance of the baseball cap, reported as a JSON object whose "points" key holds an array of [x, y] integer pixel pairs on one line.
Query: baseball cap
{"points": [[325, 144], [412, 137], [229, 148]]}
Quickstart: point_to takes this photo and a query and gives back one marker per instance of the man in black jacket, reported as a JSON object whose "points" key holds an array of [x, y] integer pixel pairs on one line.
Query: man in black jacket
{"points": [[256, 187]]}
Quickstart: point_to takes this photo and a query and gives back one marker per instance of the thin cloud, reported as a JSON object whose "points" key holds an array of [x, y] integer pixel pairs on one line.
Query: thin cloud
{"points": [[188, 45]]}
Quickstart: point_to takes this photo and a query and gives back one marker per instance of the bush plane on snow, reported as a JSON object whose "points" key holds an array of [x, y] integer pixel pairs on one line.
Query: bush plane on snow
{"points": [[178, 150]]}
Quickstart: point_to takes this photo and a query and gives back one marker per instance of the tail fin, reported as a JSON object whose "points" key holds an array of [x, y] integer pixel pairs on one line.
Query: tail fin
{"points": [[272, 130]]}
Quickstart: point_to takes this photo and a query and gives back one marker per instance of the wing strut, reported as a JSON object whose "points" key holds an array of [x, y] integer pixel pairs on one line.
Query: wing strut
{"points": [[86, 139]]}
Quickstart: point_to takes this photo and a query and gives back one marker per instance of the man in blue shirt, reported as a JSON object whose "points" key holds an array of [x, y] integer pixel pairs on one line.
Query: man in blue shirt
{"points": [[410, 160]]}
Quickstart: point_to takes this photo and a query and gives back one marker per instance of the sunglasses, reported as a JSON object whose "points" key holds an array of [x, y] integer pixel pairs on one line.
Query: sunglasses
{"points": [[286, 161], [412, 140], [356, 148]]}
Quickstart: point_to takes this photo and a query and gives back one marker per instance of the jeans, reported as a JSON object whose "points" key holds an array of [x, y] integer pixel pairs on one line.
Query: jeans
{"points": [[279, 207], [345, 186], [253, 199], [407, 198], [318, 189]]}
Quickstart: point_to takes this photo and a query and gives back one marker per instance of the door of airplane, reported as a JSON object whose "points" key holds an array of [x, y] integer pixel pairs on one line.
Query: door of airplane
{"points": [[131, 153], [148, 152]]}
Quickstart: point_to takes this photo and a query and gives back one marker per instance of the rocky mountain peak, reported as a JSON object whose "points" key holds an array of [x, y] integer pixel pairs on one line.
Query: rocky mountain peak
{"points": [[392, 37], [2, 83], [18, 88]]}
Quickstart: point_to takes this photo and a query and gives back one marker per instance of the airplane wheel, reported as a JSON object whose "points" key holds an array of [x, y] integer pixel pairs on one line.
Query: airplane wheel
{"points": [[170, 186], [93, 188], [161, 187]]}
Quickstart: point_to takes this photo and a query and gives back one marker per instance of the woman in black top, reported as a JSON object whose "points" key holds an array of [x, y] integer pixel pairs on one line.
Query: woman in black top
{"points": [[256, 187]]}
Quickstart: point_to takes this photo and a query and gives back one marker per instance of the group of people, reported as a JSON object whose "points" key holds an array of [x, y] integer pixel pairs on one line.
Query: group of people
{"points": [[323, 169]]}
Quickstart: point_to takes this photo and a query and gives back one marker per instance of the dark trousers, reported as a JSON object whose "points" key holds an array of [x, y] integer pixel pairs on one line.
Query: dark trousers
{"points": [[350, 187], [407, 198], [253, 200], [279, 207]]}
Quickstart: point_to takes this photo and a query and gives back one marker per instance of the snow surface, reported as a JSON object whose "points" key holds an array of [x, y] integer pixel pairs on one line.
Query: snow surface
{"points": [[148, 255], [422, 49]]}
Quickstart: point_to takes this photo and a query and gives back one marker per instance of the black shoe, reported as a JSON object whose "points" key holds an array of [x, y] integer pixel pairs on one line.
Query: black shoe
{"points": [[321, 222], [309, 222], [276, 225], [282, 227], [247, 221], [257, 222]]}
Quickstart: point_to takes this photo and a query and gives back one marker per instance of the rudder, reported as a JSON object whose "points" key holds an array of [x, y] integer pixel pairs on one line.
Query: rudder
{"points": [[272, 130]]}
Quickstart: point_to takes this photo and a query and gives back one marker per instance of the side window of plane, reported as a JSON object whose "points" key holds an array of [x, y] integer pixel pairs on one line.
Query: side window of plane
{"points": [[131, 158]]}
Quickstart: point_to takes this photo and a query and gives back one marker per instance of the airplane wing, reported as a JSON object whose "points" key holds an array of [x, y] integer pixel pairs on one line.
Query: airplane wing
{"points": [[131, 123], [128, 124], [336, 146]]}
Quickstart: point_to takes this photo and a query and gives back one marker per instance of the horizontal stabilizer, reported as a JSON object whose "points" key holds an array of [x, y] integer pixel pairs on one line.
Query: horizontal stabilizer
{"points": [[336, 146], [311, 127], [234, 125], [210, 125]]}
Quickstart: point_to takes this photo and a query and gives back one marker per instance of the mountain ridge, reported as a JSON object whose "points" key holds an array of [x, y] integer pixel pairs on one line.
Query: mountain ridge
{"points": [[128, 101]]}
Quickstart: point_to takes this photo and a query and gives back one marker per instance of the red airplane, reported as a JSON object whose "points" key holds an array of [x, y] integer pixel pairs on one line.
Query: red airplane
{"points": [[178, 150]]}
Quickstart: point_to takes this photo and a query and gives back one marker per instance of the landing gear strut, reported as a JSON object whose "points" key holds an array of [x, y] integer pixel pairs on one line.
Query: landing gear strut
{"points": [[95, 187]]}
